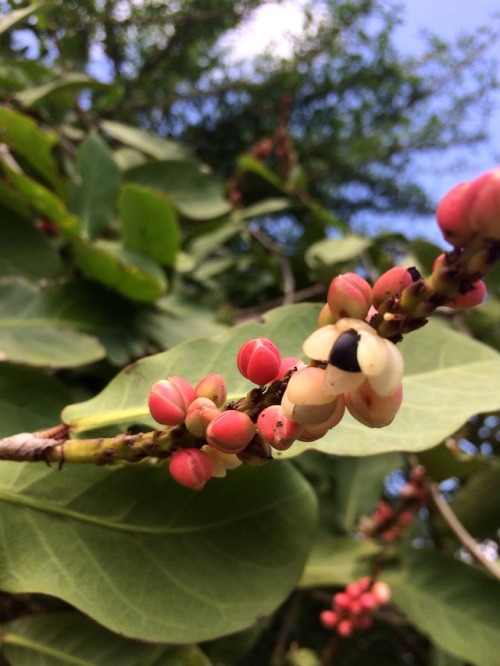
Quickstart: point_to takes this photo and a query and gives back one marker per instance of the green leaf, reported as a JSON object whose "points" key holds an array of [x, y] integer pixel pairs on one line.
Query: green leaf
{"points": [[455, 605], [93, 194], [31, 335], [68, 82], [196, 194], [69, 639], [338, 561], [265, 207], [255, 166], [150, 559], [11, 19], [21, 133], [149, 223], [131, 274], [150, 144], [29, 399], [328, 252], [26, 251]]}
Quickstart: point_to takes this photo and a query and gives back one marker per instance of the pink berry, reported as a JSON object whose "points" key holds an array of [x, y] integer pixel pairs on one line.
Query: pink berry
{"points": [[288, 363], [258, 360], [231, 431], [345, 628], [213, 387], [391, 283], [328, 619], [342, 601], [483, 200], [475, 296], [276, 429], [169, 399], [452, 216], [349, 295], [191, 468], [368, 601], [199, 414]]}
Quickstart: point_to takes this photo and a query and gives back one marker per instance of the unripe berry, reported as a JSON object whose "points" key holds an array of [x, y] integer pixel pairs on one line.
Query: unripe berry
{"points": [[349, 295], [276, 429], [391, 283], [231, 431], [452, 216], [169, 399], [483, 199], [371, 409], [213, 387], [475, 296], [258, 360], [191, 468], [200, 413]]}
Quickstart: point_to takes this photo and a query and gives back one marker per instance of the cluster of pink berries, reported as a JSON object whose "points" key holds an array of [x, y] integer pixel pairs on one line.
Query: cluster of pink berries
{"points": [[353, 608]]}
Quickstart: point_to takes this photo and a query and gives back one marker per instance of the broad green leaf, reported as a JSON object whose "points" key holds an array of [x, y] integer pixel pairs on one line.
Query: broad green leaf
{"points": [[359, 484], [149, 223], [29, 399], [448, 379], [26, 251], [338, 561], [131, 274], [21, 133], [31, 335], [454, 604], [148, 558], [328, 252], [196, 194], [67, 82], [93, 193], [150, 144], [11, 19], [69, 639], [44, 201]]}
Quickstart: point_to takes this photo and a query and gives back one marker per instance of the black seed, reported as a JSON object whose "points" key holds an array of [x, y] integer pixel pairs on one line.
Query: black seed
{"points": [[414, 273], [344, 353]]}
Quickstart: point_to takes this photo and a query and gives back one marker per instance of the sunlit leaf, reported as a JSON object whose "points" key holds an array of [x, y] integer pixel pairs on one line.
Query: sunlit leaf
{"points": [[67, 82], [17, 16], [155, 146]]}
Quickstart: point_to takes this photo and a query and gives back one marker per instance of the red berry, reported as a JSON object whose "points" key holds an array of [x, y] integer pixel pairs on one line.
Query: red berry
{"points": [[328, 619], [191, 468], [259, 360]]}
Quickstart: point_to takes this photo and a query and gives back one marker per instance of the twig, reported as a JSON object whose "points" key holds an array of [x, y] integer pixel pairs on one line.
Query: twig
{"points": [[283, 263], [460, 532], [280, 648]]}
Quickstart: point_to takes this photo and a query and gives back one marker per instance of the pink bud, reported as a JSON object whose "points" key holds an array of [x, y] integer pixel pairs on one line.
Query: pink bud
{"points": [[368, 601], [342, 601], [169, 399], [371, 409], [328, 619], [382, 592], [288, 363], [349, 295], [391, 283], [199, 414], [259, 360], [276, 429], [191, 468], [475, 296], [484, 204], [345, 628], [231, 431], [452, 216], [213, 387]]}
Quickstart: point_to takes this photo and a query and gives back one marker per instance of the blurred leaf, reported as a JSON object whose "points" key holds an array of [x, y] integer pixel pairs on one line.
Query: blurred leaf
{"points": [[11, 19], [330, 251], [22, 134], [422, 253], [266, 207], [149, 223], [106, 540], [29, 399], [67, 82], [128, 158], [442, 463], [196, 194], [31, 335], [337, 561], [93, 193], [255, 166], [209, 238], [63, 639], [150, 144], [130, 273], [454, 604], [26, 251]]}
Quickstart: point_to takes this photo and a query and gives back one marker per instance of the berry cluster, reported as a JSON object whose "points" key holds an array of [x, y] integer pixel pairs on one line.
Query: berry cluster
{"points": [[353, 608]]}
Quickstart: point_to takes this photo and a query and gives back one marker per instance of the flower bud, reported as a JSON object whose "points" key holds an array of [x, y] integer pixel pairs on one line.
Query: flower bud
{"points": [[372, 409], [258, 360], [391, 283], [231, 431], [452, 216], [213, 387], [288, 363], [483, 200], [349, 295], [475, 296], [276, 429], [200, 413], [191, 468], [169, 399]]}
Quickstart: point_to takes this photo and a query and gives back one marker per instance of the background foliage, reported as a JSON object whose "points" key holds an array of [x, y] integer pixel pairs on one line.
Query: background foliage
{"points": [[156, 202]]}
